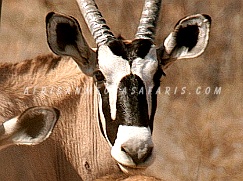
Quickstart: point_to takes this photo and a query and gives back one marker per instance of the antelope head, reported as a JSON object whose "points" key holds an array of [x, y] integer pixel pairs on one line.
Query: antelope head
{"points": [[127, 73]]}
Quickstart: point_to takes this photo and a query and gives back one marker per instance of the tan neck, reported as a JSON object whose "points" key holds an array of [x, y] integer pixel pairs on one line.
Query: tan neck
{"points": [[82, 142], [76, 149]]}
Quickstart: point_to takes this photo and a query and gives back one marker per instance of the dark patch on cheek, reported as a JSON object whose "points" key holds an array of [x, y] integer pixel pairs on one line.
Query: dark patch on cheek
{"points": [[132, 107]]}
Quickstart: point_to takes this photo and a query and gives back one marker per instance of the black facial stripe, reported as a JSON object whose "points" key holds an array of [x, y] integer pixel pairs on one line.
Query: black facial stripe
{"points": [[100, 124], [156, 80], [138, 48], [132, 107], [111, 125]]}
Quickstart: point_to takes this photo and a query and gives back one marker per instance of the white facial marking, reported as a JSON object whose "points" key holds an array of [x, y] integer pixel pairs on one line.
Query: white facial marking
{"points": [[138, 135], [114, 69], [145, 69]]}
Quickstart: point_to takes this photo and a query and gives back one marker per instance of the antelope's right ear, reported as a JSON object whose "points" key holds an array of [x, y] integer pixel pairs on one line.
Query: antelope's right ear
{"points": [[188, 40], [64, 37], [32, 127]]}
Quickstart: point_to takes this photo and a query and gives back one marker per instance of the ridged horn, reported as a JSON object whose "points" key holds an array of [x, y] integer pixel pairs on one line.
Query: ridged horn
{"points": [[148, 21], [96, 23]]}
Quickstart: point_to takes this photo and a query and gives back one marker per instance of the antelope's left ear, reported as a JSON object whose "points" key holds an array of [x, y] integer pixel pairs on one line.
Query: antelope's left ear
{"points": [[32, 127], [188, 40], [64, 37]]}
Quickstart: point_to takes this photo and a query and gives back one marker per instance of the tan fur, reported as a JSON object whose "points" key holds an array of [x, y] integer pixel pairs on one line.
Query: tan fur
{"points": [[76, 149], [43, 71]]}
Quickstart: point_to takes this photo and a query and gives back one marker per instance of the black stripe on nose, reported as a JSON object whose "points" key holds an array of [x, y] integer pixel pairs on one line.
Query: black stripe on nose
{"points": [[132, 107]]}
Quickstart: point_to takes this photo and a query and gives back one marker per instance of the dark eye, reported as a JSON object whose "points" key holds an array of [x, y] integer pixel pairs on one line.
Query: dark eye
{"points": [[98, 76]]}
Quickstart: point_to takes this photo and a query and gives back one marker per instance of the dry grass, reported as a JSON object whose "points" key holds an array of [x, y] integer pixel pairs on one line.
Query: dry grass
{"points": [[197, 137]]}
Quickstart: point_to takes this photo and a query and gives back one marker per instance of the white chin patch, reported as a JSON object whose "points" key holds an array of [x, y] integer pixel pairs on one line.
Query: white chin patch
{"points": [[133, 147]]}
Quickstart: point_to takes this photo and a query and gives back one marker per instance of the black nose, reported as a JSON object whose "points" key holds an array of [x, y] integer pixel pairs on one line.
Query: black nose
{"points": [[139, 152]]}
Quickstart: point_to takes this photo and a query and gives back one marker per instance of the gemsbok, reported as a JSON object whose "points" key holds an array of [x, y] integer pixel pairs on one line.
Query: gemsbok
{"points": [[115, 94], [31, 127]]}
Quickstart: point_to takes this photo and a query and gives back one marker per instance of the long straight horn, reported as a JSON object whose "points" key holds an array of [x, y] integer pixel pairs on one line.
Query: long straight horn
{"points": [[96, 23], [148, 21]]}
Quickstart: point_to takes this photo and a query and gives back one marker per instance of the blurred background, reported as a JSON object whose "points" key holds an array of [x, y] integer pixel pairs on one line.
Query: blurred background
{"points": [[184, 123]]}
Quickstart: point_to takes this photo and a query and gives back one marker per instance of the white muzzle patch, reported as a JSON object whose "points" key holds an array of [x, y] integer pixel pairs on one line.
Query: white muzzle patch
{"points": [[133, 146]]}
